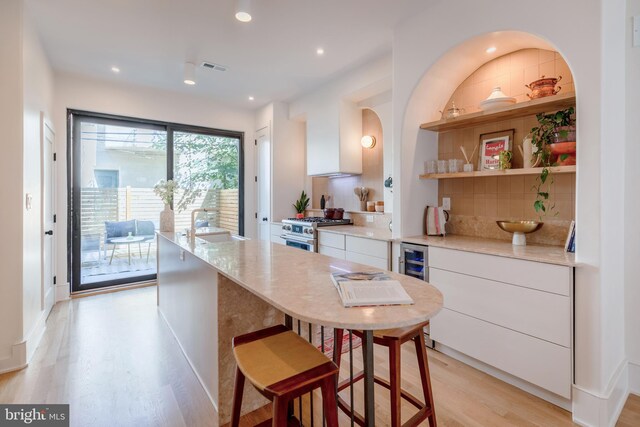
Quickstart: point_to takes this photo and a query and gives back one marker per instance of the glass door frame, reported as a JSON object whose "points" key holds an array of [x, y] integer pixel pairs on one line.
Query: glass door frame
{"points": [[74, 121]]}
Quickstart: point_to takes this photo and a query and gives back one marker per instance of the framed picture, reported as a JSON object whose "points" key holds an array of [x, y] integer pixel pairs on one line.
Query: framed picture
{"points": [[491, 144]]}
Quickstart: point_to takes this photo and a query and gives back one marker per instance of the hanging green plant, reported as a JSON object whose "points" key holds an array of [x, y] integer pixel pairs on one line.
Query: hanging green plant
{"points": [[550, 128]]}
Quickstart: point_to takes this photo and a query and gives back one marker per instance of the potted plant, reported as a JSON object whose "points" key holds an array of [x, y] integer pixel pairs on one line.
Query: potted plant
{"points": [[552, 146], [166, 190], [301, 204]]}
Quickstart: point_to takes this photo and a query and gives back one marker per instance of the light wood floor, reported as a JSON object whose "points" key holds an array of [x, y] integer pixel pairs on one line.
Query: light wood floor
{"points": [[114, 360]]}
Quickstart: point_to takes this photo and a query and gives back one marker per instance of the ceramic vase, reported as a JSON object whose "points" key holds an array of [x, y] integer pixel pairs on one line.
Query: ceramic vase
{"points": [[167, 219], [363, 205]]}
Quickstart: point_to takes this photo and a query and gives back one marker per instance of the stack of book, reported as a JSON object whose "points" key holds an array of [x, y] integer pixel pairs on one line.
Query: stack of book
{"points": [[570, 244]]}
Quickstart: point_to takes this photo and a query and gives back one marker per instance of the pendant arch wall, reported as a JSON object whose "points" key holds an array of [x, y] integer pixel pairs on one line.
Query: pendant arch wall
{"points": [[428, 68]]}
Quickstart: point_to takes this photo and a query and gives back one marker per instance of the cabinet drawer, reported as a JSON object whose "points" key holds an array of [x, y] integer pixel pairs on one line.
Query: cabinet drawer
{"points": [[540, 314], [332, 252], [277, 239], [375, 248], [372, 261], [331, 240], [275, 229], [539, 362], [536, 275]]}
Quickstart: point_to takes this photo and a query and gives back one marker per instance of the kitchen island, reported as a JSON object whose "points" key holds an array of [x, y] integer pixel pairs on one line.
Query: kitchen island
{"points": [[210, 292]]}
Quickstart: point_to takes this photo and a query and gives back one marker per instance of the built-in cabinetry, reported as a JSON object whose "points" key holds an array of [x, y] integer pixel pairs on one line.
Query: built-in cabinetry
{"points": [[276, 231], [510, 314], [374, 253]]}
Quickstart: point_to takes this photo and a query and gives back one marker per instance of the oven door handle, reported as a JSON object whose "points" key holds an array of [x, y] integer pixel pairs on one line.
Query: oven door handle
{"points": [[297, 239]]}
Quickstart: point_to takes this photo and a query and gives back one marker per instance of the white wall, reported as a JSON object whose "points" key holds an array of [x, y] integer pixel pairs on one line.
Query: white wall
{"points": [[38, 97], [368, 85], [76, 92], [632, 202], [11, 112], [27, 89], [418, 45]]}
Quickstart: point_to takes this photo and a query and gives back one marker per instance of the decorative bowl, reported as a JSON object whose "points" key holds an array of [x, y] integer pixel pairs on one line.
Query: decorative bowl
{"points": [[544, 86], [519, 229], [497, 99]]}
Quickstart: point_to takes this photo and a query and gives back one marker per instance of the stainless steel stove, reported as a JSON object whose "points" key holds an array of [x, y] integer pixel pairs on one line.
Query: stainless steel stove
{"points": [[302, 233]]}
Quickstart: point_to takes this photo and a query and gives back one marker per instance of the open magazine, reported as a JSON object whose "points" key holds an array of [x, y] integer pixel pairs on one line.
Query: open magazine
{"points": [[367, 289]]}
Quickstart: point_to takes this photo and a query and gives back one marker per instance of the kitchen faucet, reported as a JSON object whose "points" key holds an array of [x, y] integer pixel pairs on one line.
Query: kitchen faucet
{"points": [[193, 218]]}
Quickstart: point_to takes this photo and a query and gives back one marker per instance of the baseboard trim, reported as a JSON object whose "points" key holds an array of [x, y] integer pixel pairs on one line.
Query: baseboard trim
{"points": [[634, 377], [32, 341], [62, 292], [506, 377], [18, 359], [591, 409]]}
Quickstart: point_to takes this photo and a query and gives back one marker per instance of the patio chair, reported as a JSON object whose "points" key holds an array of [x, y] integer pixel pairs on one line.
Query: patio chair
{"points": [[117, 229], [146, 229]]}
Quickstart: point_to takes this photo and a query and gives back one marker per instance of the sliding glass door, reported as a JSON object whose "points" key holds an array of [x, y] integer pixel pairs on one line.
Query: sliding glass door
{"points": [[207, 170], [114, 212]]}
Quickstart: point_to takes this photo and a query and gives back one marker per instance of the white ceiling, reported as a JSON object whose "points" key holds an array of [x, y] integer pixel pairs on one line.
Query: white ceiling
{"points": [[271, 58]]}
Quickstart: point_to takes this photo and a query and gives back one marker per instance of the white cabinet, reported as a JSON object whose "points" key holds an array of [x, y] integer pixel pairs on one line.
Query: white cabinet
{"points": [[374, 253], [511, 314], [276, 231], [332, 252], [368, 251]]}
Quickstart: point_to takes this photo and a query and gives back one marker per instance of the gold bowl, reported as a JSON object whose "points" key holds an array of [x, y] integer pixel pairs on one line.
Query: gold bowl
{"points": [[519, 229]]}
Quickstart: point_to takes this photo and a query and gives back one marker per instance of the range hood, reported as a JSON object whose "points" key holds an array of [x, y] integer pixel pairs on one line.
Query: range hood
{"points": [[333, 140]]}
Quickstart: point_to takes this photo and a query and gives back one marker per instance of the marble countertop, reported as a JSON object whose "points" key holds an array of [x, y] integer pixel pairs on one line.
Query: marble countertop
{"points": [[537, 253], [299, 284], [359, 231]]}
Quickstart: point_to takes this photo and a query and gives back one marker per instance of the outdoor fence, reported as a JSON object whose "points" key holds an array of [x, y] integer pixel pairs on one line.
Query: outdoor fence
{"points": [[122, 204]]}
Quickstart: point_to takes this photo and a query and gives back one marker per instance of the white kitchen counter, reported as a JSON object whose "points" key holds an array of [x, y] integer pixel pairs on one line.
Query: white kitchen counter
{"points": [[359, 231], [538, 253]]}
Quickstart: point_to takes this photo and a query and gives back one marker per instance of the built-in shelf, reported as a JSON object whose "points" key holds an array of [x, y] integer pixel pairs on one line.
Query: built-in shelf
{"points": [[350, 212], [507, 172], [521, 109]]}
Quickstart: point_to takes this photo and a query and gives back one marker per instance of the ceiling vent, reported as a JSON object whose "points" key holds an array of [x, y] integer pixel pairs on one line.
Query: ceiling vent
{"points": [[213, 67]]}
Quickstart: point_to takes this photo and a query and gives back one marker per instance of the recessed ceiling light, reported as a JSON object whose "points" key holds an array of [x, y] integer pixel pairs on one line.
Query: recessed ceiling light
{"points": [[251, 98], [189, 73], [491, 49], [243, 10], [115, 69], [320, 51]]}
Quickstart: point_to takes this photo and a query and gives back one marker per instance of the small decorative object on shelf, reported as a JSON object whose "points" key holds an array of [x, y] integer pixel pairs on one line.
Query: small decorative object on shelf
{"points": [[468, 167], [491, 145], [505, 159], [362, 193], [497, 99], [301, 204], [544, 86], [527, 150], [453, 112]]}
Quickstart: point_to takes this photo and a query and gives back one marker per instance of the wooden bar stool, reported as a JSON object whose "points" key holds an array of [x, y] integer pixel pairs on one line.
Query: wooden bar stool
{"points": [[393, 339], [281, 365]]}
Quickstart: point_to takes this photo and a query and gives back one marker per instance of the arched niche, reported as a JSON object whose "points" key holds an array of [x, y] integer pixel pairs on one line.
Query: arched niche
{"points": [[468, 65]]}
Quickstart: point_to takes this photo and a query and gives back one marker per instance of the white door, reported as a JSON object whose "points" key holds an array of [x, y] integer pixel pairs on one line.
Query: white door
{"points": [[263, 187], [48, 211]]}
